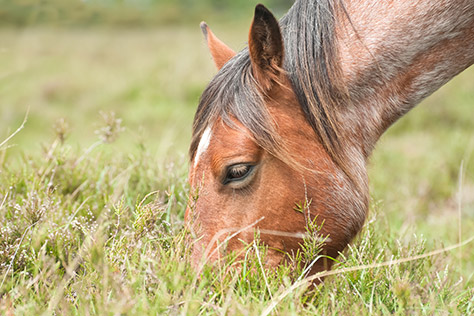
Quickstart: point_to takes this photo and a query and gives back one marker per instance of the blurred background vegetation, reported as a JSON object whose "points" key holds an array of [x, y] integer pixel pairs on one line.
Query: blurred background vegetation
{"points": [[144, 60], [124, 13]]}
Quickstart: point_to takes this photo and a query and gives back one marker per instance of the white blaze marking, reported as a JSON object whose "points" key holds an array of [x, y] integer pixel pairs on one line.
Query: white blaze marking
{"points": [[203, 144]]}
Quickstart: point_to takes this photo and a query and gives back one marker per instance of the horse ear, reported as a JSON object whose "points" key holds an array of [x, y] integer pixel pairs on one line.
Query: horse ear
{"points": [[221, 53], [265, 47]]}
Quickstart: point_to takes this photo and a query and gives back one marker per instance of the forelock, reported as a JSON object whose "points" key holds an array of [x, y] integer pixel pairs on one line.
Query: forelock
{"points": [[234, 94]]}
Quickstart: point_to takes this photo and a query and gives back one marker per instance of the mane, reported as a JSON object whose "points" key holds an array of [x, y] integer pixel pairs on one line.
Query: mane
{"points": [[308, 31]]}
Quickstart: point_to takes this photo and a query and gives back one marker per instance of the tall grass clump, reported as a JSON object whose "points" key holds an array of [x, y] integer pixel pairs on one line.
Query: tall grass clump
{"points": [[88, 233]]}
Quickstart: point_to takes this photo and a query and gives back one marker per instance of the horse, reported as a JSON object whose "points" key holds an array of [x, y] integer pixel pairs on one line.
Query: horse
{"points": [[293, 118]]}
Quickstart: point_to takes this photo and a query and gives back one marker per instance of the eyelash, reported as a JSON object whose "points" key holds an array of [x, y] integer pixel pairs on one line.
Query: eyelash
{"points": [[239, 174]]}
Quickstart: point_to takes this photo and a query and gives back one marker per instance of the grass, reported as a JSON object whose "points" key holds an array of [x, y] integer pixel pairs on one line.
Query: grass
{"points": [[93, 190]]}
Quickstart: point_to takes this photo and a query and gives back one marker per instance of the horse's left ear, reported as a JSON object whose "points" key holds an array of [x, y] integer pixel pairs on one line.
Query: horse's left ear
{"points": [[221, 53], [265, 47]]}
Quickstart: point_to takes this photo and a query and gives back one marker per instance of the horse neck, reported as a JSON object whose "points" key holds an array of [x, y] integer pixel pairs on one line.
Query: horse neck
{"points": [[395, 53]]}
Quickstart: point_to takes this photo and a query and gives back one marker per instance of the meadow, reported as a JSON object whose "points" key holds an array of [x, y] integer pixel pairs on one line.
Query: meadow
{"points": [[93, 189]]}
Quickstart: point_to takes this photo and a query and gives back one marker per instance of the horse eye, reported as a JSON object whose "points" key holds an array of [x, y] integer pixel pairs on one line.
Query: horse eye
{"points": [[237, 172]]}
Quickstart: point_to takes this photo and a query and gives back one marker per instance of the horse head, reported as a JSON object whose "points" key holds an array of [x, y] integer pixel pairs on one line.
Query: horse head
{"points": [[257, 163], [283, 132]]}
